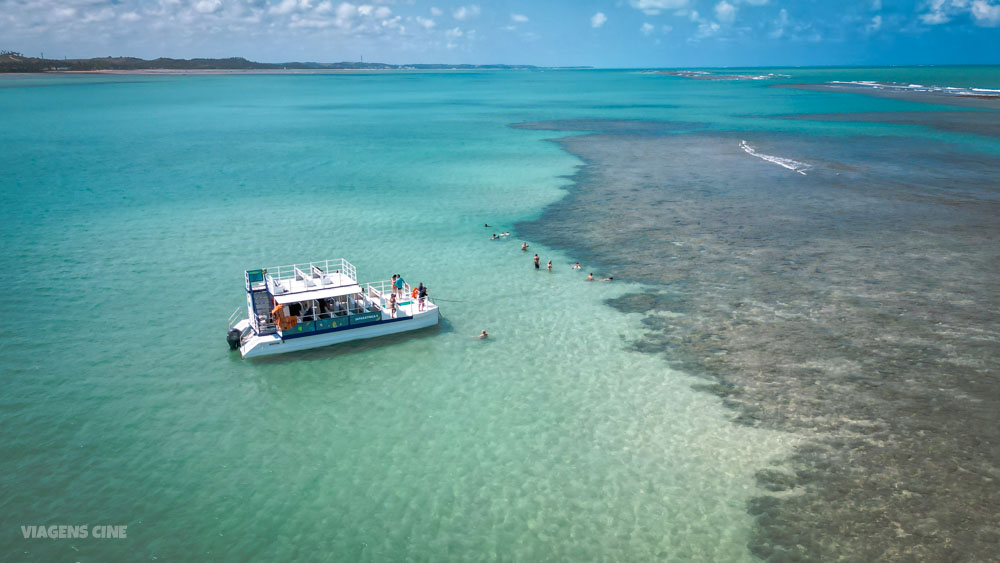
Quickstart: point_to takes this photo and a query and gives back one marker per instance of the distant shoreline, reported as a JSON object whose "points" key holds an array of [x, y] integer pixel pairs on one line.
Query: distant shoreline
{"points": [[13, 62], [251, 71]]}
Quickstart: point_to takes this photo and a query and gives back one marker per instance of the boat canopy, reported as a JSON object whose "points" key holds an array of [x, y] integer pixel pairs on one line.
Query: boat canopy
{"points": [[317, 294]]}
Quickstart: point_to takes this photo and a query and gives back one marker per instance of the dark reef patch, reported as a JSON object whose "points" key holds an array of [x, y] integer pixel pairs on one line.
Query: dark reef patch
{"points": [[976, 122], [856, 304], [929, 96]]}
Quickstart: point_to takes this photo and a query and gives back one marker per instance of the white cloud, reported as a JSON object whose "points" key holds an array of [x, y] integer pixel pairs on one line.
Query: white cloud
{"points": [[875, 25], [756, 2], [130, 17], [346, 12], [102, 14], [647, 28], [285, 7], [654, 7], [453, 33], [427, 23], [934, 18], [463, 13], [982, 12], [725, 12], [207, 6], [985, 13], [520, 18], [780, 24], [436, 12], [706, 29], [382, 12], [598, 19]]}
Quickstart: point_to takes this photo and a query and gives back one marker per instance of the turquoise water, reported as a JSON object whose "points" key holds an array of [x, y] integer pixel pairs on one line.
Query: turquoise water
{"points": [[133, 204]]}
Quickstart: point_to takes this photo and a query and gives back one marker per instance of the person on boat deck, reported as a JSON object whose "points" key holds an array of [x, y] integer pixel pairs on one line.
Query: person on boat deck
{"points": [[392, 305], [392, 284], [399, 284], [537, 262], [328, 307], [422, 295]]}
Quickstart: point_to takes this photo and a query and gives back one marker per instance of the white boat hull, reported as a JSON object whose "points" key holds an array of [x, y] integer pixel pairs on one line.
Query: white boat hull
{"points": [[271, 344]]}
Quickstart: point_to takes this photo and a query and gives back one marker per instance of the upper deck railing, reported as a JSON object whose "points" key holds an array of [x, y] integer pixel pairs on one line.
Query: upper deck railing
{"points": [[306, 272]]}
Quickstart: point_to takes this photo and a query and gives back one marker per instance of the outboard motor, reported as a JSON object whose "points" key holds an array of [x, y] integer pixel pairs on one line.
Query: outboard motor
{"points": [[233, 338]]}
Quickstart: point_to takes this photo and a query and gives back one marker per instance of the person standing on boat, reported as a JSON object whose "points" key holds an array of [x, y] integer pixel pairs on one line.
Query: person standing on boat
{"points": [[421, 295], [399, 284], [537, 262], [392, 305]]}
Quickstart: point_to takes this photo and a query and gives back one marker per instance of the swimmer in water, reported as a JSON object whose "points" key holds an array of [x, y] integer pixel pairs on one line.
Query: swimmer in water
{"points": [[524, 246], [609, 278], [590, 276], [576, 266], [549, 266], [486, 225], [537, 260], [483, 334]]}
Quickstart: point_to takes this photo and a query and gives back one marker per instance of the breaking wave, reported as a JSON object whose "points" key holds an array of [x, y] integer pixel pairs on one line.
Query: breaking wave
{"points": [[788, 163]]}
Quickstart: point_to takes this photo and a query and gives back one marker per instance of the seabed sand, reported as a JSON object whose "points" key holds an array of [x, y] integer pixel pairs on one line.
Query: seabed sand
{"points": [[856, 304]]}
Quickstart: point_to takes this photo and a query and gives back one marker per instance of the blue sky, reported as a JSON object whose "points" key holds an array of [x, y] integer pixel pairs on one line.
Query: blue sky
{"points": [[617, 33]]}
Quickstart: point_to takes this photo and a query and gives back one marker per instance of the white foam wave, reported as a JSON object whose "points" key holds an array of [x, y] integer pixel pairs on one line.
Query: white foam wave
{"points": [[953, 90], [788, 163]]}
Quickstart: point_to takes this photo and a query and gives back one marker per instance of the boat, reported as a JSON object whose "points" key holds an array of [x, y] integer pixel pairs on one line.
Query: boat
{"points": [[315, 304]]}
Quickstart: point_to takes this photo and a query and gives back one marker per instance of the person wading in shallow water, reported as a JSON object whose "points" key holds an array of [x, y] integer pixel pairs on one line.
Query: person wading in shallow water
{"points": [[590, 276], [537, 262]]}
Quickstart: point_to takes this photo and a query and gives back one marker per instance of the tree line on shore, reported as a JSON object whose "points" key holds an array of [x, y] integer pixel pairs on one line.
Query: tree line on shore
{"points": [[12, 61]]}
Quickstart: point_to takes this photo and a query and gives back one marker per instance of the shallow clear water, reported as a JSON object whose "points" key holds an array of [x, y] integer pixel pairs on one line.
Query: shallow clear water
{"points": [[133, 204]]}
